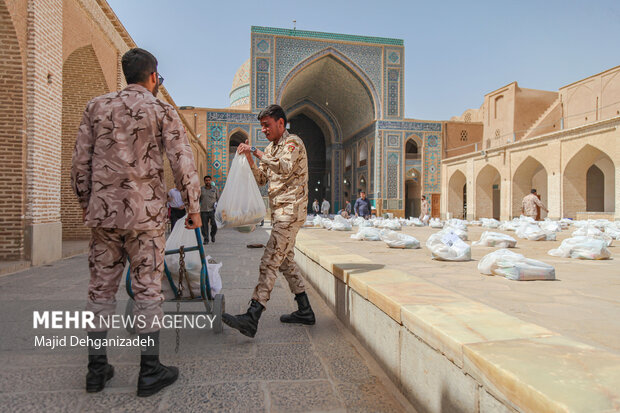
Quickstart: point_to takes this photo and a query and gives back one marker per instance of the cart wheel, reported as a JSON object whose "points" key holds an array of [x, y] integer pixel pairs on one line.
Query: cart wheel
{"points": [[219, 305], [129, 313]]}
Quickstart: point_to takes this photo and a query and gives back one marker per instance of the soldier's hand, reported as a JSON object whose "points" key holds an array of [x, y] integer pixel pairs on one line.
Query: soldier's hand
{"points": [[244, 148], [196, 221]]}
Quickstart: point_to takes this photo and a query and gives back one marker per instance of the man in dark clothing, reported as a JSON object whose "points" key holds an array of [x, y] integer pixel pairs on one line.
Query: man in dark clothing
{"points": [[362, 206], [209, 196]]}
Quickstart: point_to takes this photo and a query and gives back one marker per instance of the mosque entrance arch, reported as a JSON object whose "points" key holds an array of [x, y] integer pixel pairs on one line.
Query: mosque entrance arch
{"points": [[237, 137], [531, 174], [589, 183], [457, 195], [413, 193], [329, 90], [488, 193]]}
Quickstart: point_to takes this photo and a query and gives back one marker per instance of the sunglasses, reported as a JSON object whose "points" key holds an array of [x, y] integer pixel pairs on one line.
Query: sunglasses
{"points": [[160, 78]]}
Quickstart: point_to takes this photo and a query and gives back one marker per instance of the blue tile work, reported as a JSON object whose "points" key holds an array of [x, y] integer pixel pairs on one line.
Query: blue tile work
{"points": [[337, 173], [409, 125], [291, 51], [243, 126], [432, 163], [393, 161], [217, 151], [262, 64], [324, 35], [232, 117], [393, 140], [393, 73]]}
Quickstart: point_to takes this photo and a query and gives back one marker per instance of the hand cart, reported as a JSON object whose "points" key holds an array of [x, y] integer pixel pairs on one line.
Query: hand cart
{"points": [[214, 306]]}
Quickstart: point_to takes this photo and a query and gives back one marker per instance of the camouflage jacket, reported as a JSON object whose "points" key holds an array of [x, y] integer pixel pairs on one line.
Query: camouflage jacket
{"points": [[118, 165], [529, 203], [285, 166]]}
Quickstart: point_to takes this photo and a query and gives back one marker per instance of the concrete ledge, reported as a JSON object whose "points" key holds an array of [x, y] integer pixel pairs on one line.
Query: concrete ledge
{"points": [[450, 353]]}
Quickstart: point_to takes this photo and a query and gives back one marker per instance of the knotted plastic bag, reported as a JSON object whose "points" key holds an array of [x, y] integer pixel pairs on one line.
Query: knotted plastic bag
{"points": [[241, 204]]}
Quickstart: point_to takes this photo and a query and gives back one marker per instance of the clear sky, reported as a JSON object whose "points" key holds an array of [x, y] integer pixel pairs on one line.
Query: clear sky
{"points": [[455, 51]]}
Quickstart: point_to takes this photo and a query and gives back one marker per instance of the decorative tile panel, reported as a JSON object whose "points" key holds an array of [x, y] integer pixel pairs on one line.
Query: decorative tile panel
{"points": [[392, 174], [409, 125], [217, 152], [432, 163], [393, 141]]}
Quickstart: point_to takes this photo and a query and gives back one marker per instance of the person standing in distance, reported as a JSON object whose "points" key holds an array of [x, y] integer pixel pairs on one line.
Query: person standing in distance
{"points": [[118, 176], [284, 164], [209, 195], [530, 205], [362, 206]]}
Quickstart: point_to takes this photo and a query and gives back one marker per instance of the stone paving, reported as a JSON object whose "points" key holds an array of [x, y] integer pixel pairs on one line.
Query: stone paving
{"points": [[583, 303], [285, 368]]}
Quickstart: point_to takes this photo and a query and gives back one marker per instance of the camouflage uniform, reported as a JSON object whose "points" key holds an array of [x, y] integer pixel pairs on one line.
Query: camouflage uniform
{"points": [[285, 166], [118, 177], [530, 202]]}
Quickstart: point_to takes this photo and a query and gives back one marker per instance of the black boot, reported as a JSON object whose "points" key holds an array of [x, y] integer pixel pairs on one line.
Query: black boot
{"points": [[304, 315], [99, 371], [154, 376], [246, 323]]}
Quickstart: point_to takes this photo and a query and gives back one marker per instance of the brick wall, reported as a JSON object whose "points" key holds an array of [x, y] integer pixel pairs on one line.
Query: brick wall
{"points": [[11, 140], [82, 79], [44, 90]]}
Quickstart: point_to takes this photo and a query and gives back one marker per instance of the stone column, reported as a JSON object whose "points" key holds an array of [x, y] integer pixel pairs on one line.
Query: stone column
{"points": [[43, 238], [553, 164], [471, 189]]}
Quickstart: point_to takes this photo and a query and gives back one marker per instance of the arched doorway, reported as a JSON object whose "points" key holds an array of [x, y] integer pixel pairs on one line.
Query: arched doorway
{"points": [[78, 86], [488, 193], [334, 93], [530, 174], [457, 195], [314, 141], [238, 137], [413, 193], [589, 183], [411, 150], [362, 185]]}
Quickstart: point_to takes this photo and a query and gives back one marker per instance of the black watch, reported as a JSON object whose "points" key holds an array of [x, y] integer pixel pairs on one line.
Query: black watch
{"points": [[253, 149]]}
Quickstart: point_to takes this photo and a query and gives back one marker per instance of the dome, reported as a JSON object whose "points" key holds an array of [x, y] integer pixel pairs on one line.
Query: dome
{"points": [[240, 91]]}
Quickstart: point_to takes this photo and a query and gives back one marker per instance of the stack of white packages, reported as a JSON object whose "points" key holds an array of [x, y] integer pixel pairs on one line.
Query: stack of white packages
{"points": [[532, 232], [416, 222], [327, 223], [490, 223], [317, 221], [367, 234], [391, 224], [583, 248], [550, 226], [515, 266], [341, 224], [461, 233], [495, 239], [435, 223], [395, 239], [448, 247], [593, 232]]}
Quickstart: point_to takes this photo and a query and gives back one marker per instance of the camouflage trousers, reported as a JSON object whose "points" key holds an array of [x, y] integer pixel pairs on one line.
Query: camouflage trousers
{"points": [[279, 256], [109, 250]]}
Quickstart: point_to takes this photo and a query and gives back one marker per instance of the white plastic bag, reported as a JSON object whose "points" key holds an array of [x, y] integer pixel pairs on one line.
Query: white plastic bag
{"points": [[395, 239], [515, 266], [461, 233], [490, 223], [317, 221], [181, 236], [367, 234], [416, 222], [550, 226], [327, 223], [241, 203], [341, 224], [435, 223], [448, 247], [533, 232], [495, 239], [593, 232], [583, 248]]}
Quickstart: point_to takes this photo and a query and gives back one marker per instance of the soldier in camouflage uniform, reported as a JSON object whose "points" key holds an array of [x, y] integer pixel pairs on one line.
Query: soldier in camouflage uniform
{"points": [[284, 164], [118, 177]]}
